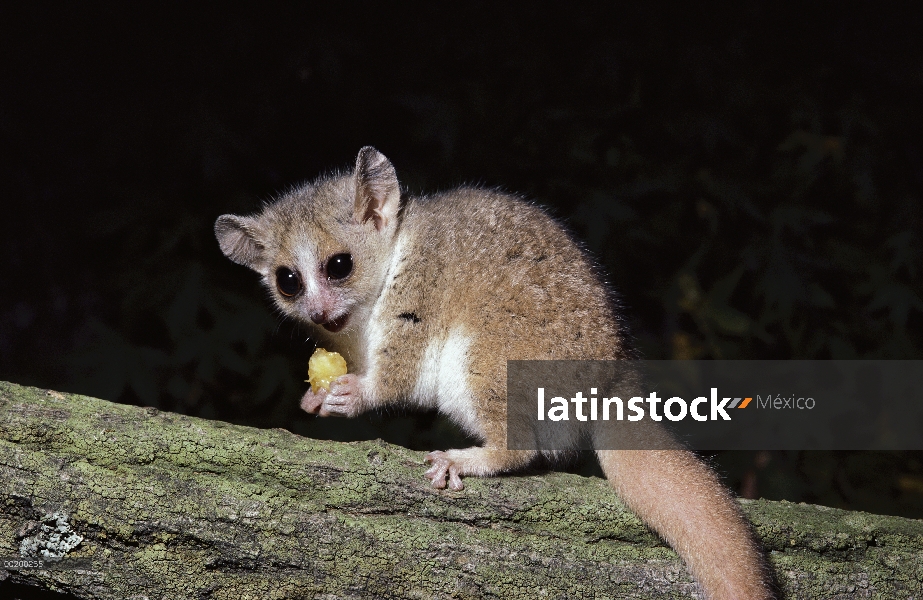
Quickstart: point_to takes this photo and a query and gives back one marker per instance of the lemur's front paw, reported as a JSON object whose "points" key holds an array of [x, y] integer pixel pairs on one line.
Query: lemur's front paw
{"points": [[311, 402], [443, 466], [344, 398]]}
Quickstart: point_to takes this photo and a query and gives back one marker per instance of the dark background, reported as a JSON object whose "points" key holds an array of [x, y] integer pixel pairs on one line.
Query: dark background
{"points": [[750, 178]]}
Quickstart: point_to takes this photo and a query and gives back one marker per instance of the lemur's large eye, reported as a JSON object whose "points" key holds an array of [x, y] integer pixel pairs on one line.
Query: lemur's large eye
{"points": [[339, 266], [288, 282]]}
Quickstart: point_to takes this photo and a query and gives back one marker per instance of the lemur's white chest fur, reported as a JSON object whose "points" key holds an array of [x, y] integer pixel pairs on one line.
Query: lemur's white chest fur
{"points": [[442, 381], [373, 332]]}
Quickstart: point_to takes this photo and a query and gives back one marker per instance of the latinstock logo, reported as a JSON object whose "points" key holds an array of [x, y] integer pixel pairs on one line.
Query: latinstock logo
{"points": [[712, 405], [614, 408]]}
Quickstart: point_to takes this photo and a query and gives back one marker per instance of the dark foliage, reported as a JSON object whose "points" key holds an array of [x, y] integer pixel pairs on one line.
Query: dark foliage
{"points": [[749, 177]]}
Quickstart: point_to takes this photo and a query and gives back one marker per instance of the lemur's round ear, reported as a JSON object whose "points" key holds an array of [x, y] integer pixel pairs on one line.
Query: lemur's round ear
{"points": [[239, 241], [378, 193]]}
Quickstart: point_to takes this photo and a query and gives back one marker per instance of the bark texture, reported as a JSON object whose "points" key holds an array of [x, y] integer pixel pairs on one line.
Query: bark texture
{"points": [[170, 506]]}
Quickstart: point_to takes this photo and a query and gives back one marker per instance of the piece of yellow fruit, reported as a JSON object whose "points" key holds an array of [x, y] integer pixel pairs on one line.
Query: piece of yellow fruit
{"points": [[324, 367]]}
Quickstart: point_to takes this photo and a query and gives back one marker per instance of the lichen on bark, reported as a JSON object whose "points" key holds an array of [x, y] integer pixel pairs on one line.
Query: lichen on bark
{"points": [[174, 506]]}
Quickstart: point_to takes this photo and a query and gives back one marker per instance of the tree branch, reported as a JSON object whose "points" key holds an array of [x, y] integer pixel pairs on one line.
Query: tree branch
{"points": [[175, 506]]}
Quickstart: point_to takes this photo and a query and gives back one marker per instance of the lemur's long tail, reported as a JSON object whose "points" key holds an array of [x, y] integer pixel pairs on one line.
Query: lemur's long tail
{"points": [[682, 500]]}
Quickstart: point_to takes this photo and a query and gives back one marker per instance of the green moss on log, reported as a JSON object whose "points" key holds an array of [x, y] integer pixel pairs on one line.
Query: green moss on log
{"points": [[174, 506]]}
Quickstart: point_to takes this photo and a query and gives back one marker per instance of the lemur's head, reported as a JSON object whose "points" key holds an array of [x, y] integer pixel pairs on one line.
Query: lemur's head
{"points": [[323, 248]]}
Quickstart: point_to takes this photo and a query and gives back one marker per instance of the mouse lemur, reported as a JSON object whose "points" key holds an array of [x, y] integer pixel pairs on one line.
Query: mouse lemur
{"points": [[428, 297]]}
